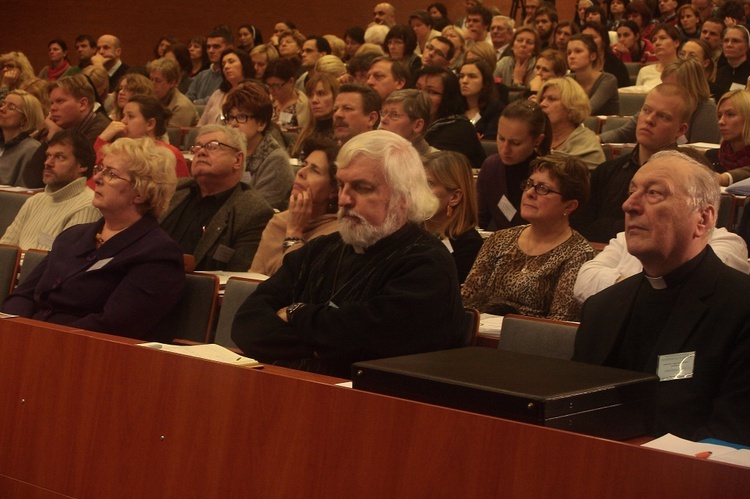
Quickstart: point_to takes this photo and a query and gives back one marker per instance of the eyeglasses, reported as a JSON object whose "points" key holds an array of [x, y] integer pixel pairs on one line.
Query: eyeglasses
{"points": [[211, 146], [276, 86], [239, 118], [541, 189], [392, 114], [439, 52], [109, 173], [11, 107]]}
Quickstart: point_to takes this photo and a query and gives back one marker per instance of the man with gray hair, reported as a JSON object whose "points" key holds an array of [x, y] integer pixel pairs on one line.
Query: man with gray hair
{"points": [[686, 317], [501, 32], [407, 113], [213, 216], [381, 287]]}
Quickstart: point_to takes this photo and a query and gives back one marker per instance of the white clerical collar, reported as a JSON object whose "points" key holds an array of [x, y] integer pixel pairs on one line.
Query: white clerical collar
{"points": [[656, 282]]}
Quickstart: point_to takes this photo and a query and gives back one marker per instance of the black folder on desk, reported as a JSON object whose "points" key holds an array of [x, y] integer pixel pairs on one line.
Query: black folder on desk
{"points": [[584, 398]]}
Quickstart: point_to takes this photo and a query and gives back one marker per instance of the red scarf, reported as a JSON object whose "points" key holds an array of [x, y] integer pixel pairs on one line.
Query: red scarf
{"points": [[53, 74], [729, 159]]}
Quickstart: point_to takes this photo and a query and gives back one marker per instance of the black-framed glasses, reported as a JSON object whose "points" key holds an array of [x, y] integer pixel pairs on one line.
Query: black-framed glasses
{"points": [[211, 146], [108, 173], [239, 118], [541, 189]]}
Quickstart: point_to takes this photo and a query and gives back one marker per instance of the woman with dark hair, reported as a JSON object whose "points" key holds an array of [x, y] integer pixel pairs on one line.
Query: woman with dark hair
{"points": [[617, 13], [198, 55], [313, 205], [518, 69], [439, 13], [666, 40], [450, 128], [580, 14], [551, 63], [585, 67], [689, 22], [181, 54], [354, 38], [290, 106], [248, 36], [236, 66], [631, 47], [400, 43], [612, 64], [594, 14], [59, 65], [142, 116], [321, 90], [421, 22], [737, 68], [640, 13], [483, 107], [563, 31], [161, 47]]}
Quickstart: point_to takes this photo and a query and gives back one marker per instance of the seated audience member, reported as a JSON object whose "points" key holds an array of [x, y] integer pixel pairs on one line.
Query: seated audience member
{"points": [[567, 106], [517, 70], [20, 116], [86, 49], [59, 65], [600, 87], [267, 169], [143, 117], [685, 318], [545, 21], [381, 287], [700, 50], [198, 57], [354, 38], [313, 48], [100, 80], [72, 108], [523, 132], [384, 13], [457, 38], [387, 75], [438, 52], [329, 64], [65, 201], [482, 102], [666, 41], [248, 36], [531, 269], [421, 22], [407, 113], [321, 90], [290, 45], [631, 47], [338, 46], [689, 22], [400, 44], [131, 84], [607, 61], [355, 111], [562, 33], [614, 263], [290, 106], [640, 13], [450, 129], [108, 55], [481, 51], [161, 47], [165, 76], [214, 216], [662, 120], [312, 207], [450, 177], [550, 64], [208, 81], [732, 160], [262, 55], [180, 54], [501, 31], [703, 125], [477, 24], [119, 275], [17, 74], [236, 66]]}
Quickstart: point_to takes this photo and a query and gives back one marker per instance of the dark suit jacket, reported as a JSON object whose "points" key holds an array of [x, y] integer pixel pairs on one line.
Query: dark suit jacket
{"points": [[237, 226], [124, 287], [712, 318], [114, 80]]}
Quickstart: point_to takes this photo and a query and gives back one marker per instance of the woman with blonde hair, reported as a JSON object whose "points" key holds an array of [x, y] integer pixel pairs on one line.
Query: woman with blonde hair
{"points": [[130, 84], [567, 106], [732, 160], [21, 115], [481, 51], [321, 90], [261, 56], [457, 37], [450, 178], [331, 65], [17, 74]]}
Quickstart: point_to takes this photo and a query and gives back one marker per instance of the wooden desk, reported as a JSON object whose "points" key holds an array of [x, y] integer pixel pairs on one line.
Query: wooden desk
{"points": [[90, 415]]}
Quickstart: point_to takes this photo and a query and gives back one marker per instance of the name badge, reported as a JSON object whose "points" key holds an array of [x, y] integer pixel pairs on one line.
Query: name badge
{"points": [[737, 86], [507, 208], [99, 264], [223, 254], [286, 118], [45, 239], [676, 366]]}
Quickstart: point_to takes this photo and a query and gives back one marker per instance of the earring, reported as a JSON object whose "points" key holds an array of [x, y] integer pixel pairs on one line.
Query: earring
{"points": [[449, 211], [565, 213]]}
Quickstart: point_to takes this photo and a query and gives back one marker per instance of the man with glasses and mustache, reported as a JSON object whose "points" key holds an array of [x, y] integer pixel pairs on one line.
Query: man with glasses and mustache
{"points": [[381, 287], [213, 215]]}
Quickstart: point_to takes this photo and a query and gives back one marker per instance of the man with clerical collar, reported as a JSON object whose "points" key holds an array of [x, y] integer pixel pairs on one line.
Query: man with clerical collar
{"points": [[380, 287], [213, 216], [686, 317], [407, 113], [165, 76], [65, 202], [664, 117]]}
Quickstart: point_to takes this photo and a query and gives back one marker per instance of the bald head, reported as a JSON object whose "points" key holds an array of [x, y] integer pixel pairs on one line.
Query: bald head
{"points": [[385, 14], [108, 46]]}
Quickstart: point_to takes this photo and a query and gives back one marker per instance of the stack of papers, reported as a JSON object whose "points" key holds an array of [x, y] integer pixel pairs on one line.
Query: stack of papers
{"points": [[210, 351], [702, 450]]}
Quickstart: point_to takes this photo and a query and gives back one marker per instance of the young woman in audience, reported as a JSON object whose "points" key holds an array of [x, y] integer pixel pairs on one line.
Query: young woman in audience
{"points": [[666, 41], [732, 160], [457, 37], [400, 43], [567, 106], [236, 66], [130, 84], [600, 87], [450, 128], [617, 13], [563, 31], [267, 168], [99, 77], [531, 269], [139, 271], [262, 55], [247, 37], [181, 55], [161, 47], [21, 115], [700, 50], [551, 63], [483, 107], [353, 39], [640, 13], [580, 15], [59, 66], [290, 106], [612, 64], [322, 90], [313, 205], [631, 47], [198, 55], [142, 116], [735, 72], [518, 69], [450, 178], [689, 22], [17, 74], [594, 14], [523, 132]]}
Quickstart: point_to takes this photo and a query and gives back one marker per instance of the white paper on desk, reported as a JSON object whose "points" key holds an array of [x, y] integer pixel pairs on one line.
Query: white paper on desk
{"points": [[224, 275], [741, 188], [208, 351], [740, 457], [490, 325], [721, 453]]}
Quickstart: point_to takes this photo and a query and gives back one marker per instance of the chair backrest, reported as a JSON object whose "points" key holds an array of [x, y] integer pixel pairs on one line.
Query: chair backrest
{"points": [[175, 135], [192, 317], [10, 204], [30, 260], [189, 135], [489, 146], [236, 292], [9, 261], [543, 337], [470, 327], [726, 216], [633, 69], [631, 104], [614, 122], [592, 123]]}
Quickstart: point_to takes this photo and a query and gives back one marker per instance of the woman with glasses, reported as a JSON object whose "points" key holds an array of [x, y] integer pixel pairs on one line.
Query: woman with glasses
{"points": [[734, 74], [16, 73], [400, 43], [20, 115], [290, 106], [313, 205], [122, 274], [267, 169], [236, 66], [531, 269]]}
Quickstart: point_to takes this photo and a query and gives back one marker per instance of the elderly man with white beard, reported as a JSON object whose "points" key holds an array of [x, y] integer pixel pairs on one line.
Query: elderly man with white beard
{"points": [[381, 287]]}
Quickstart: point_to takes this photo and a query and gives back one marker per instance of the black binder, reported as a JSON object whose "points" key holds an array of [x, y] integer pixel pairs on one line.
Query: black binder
{"points": [[584, 398]]}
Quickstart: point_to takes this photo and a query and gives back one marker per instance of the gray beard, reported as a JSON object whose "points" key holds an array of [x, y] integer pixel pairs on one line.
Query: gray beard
{"points": [[364, 234]]}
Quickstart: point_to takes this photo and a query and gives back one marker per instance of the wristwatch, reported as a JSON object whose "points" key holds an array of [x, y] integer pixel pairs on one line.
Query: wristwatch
{"points": [[292, 309]]}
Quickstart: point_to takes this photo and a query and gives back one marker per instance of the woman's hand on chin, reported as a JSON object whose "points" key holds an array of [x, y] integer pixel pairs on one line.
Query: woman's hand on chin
{"points": [[113, 130]]}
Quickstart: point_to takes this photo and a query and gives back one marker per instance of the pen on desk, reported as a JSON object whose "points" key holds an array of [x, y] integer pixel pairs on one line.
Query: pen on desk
{"points": [[704, 454]]}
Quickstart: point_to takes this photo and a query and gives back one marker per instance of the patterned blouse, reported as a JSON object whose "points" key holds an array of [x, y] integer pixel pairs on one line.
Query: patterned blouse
{"points": [[504, 279]]}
